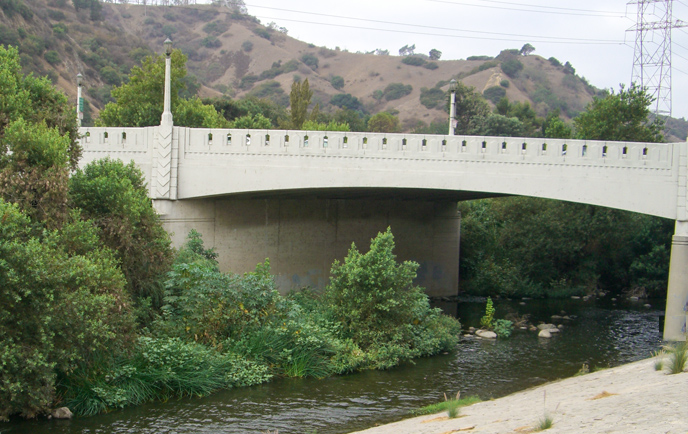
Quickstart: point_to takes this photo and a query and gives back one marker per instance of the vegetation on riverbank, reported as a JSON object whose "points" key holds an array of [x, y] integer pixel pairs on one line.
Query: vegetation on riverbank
{"points": [[97, 311], [446, 404]]}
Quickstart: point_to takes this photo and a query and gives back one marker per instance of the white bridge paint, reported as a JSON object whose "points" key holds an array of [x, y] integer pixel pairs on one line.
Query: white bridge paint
{"points": [[185, 163]]}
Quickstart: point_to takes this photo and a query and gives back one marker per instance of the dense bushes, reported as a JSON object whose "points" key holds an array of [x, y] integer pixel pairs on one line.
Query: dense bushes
{"points": [[396, 90], [536, 247]]}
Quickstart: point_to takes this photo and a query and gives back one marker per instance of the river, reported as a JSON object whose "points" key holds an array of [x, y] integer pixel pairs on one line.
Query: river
{"points": [[603, 334]]}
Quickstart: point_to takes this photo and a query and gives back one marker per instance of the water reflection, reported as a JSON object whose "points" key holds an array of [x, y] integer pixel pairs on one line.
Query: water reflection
{"points": [[600, 336]]}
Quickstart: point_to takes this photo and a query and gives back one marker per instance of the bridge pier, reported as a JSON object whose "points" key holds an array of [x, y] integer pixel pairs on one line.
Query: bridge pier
{"points": [[676, 318], [302, 236]]}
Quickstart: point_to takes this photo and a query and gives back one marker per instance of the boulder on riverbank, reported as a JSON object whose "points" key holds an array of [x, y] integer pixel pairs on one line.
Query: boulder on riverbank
{"points": [[61, 413], [486, 334], [544, 334]]}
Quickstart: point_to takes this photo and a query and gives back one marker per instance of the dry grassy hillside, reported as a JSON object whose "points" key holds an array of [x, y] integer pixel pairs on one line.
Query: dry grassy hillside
{"points": [[234, 55]]}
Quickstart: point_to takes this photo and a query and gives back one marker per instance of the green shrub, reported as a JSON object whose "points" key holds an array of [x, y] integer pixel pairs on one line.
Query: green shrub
{"points": [[110, 76], [60, 30], [413, 61], [310, 60], [247, 46], [149, 21], [326, 53], [247, 81], [504, 83], [433, 98], [431, 66], [53, 57], [337, 82], [263, 33], [347, 101], [479, 58], [503, 328], [512, 67], [216, 28], [211, 42], [115, 197], [8, 36], [494, 94], [372, 300], [397, 90], [554, 62], [62, 299]]}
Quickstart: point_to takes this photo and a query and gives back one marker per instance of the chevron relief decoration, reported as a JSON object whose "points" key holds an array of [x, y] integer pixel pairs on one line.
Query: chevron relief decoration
{"points": [[162, 163]]}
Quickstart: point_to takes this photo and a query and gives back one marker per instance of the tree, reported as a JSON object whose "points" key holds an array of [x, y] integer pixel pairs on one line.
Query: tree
{"points": [[38, 142], [435, 54], [471, 110], [115, 197], [383, 122], [370, 294], [61, 300], [310, 125], [502, 126], [622, 116], [527, 49], [407, 50], [257, 121], [139, 102], [299, 99]]}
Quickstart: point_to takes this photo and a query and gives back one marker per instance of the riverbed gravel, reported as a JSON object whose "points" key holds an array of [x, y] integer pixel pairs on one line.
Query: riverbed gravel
{"points": [[632, 398]]}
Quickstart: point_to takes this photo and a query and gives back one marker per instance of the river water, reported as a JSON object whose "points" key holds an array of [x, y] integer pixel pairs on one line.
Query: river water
{"points": [[603, 334]]}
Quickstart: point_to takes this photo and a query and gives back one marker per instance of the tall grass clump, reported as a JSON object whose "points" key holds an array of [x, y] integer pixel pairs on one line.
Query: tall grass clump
{"points": [[545, 423], [677, 356]]}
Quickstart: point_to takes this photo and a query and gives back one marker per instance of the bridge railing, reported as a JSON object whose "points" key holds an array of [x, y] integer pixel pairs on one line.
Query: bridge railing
{"points": [[115, 138], [417, 146], [383, 145]]}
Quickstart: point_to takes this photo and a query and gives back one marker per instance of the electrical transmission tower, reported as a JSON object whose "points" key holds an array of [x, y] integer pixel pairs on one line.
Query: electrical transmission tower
{"points": [[652, 54]]}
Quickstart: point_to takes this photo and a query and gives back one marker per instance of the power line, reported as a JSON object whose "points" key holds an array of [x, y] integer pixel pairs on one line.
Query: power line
{"points": [[524, 10], [549, 7], [420, 26], [543, 41]]}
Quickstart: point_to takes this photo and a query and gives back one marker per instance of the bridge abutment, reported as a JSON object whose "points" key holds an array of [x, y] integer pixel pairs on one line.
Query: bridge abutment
{"points": [[676, 317], [303, 236]]}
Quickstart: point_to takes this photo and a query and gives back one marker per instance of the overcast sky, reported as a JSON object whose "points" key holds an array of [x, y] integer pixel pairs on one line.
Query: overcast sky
{"points": [[592, 35]]}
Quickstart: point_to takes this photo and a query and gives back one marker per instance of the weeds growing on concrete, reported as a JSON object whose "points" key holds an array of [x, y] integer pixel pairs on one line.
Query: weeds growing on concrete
{"points": [[545, 423], [444, 406]]}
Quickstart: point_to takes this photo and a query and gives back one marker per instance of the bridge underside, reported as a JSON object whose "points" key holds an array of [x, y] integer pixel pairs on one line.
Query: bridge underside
{"points": [[303, 232]]}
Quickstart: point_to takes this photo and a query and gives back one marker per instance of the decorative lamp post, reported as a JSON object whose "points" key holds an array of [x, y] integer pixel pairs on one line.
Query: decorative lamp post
{"points": [[79, 100], [167, 111], [452, 107]]}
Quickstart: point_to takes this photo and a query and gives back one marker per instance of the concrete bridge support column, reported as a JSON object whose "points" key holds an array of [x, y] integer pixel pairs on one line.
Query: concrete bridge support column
{"points": [[676, 319]]}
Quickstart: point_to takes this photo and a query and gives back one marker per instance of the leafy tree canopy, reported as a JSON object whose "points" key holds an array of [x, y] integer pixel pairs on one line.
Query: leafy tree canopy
{"points": [[622, 116], [383, 122], [139, 102]]}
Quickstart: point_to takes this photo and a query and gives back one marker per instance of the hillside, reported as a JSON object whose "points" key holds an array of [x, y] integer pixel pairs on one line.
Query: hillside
{"points": [[232, 54]]}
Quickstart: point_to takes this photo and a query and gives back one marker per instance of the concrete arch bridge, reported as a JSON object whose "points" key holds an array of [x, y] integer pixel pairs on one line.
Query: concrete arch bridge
{"points": [[301, 197]]}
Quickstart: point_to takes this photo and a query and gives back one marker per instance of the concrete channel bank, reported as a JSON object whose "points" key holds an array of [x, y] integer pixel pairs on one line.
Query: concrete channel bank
{"points": [[632, 398]]}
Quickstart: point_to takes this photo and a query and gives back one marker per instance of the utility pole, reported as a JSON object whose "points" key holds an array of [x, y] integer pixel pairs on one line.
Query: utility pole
{"points": [[652, 53]]}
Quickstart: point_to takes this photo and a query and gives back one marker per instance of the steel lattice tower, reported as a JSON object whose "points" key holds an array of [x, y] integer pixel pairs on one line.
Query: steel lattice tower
{"points": [[652, 54]]}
